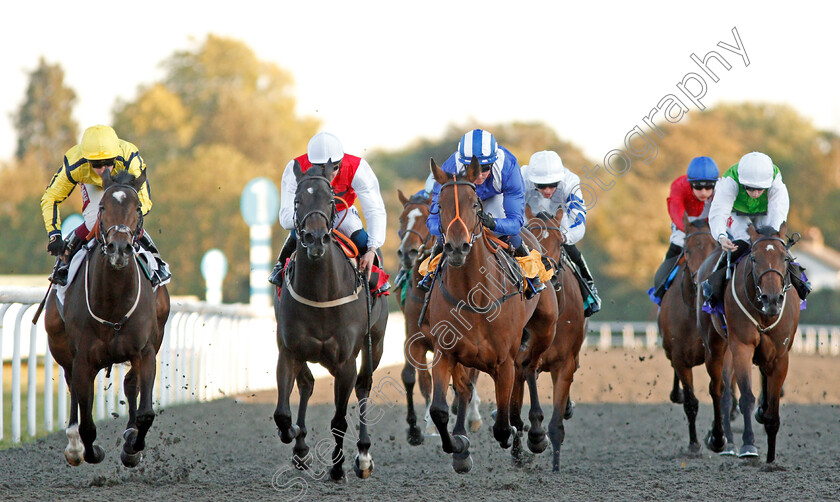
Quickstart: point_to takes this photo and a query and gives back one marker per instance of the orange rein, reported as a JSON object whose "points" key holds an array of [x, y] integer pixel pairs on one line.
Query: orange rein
{"points": [[457, 211], [346, 244]]}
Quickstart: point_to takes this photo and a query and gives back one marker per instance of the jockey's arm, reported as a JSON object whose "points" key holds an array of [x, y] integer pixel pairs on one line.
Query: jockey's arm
{"points": [[134, 164], [574, 216], [367, 190], [433, 221], [288, 187], [676, 205], [778, 203], [725, 192], [59, 189], [513, 202]]}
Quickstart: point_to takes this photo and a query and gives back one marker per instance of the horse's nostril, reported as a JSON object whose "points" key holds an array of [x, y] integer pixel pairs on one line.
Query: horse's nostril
{"points": [[763, 298], [448, 248], [465, 247], [399, 253], [412, 254], [325, 239]]}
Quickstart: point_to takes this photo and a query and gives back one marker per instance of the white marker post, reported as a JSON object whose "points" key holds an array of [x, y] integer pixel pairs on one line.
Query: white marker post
{"points": [[214, 267], [259, 205]]}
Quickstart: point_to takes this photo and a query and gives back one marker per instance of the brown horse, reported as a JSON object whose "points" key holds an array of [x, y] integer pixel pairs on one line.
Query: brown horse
{"points": [[479, 321], [561, 359], [415, 245], [762, 314], [111, 315], [677, 320], [324, 315]]}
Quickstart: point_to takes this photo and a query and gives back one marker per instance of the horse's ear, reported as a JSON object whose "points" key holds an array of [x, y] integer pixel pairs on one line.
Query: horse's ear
{"points": [[473, 170], [783, 230], [753, 232], [297, 170], [138, 182], [329, 169], [529, 215], [403, 199], [106, 178], [437, 173], [685, 221]]}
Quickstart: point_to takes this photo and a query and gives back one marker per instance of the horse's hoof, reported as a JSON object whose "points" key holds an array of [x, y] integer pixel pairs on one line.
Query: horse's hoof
{"points": [[74, 458], [130, 435], [96, 455], [302, 461], [713, 445], [493, 414], [677, 396], [475, 425], [747, 451], [415, 436], [337, 475], [508, 441], [570, 410], [130, 459], [730, 450], [360, 472], [462, 465], [291, 434], [759, 415], [460, 443], [539, 445], [693, 447]]}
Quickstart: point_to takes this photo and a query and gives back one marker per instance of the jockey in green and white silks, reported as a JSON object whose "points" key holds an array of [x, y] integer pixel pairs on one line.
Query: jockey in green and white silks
{"points": [[750, 192]]}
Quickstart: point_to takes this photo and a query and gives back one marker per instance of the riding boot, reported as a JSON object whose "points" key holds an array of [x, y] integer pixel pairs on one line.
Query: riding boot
{"points": [[534, 285], [162, 274], [660, 279], [555, 278], [62, 266], [713, 288], [289, 246], [591, 299], [425, 283], [798, 279]]}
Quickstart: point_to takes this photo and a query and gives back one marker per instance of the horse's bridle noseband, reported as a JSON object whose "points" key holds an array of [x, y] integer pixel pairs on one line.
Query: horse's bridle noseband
{"points": [[756, 280], [473, 234], [104, 237], [299, 222]]}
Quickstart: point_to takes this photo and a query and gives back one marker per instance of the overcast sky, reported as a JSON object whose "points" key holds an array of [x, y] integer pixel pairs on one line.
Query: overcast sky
{"points": [[379, 74]]}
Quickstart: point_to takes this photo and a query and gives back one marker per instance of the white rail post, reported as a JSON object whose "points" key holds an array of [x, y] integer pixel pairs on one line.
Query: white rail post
{"points": [[605, 342], [797, 341], [822, 340], [49, 370], [810, 340], [628, 337], [835, 341], [651, 332], [3, 309], [99, 395], [32, 380], [16, 378]]}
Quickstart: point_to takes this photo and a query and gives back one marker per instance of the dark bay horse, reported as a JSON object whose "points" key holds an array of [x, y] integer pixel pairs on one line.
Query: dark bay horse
{"points": [[561, 359], [677, 320], [111, 315], [762, 315], [480, 320], [415, 246], [324, 315]]}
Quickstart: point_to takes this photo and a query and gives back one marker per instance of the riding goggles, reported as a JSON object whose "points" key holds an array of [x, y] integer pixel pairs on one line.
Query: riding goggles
{"points": [[702, 185], [543, 186]]}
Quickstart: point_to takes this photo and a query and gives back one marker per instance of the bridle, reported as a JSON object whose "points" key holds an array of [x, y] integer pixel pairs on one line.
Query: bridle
{"points": [[300, 222], [402, 233], [693, 275], [104, 237], [786, 285], [477, 230]]}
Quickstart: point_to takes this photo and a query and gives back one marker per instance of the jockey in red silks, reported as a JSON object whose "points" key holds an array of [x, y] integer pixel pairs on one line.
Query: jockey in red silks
{"points": [[353, 179], [691, 194]]}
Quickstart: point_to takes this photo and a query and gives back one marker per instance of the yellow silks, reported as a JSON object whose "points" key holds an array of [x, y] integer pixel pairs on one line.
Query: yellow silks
{"points": [[429, 264]]}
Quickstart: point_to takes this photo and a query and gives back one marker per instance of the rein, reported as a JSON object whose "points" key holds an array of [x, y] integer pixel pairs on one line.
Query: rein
{"points": [[473, 235], [118, 325]]}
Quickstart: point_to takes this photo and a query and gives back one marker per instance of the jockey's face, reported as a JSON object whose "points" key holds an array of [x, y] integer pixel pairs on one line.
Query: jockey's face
{"points": [[754, 192], [99, 166], [546, 190], [702, 194], [485, 173]]}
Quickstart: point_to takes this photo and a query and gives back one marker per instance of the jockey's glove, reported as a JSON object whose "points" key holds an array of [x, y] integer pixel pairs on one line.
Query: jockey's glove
{"points": [[56, 245], [487, 220]]}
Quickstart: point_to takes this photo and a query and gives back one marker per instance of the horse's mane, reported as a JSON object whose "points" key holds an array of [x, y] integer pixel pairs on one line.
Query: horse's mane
{"points": [[767, 231], [542, 215], [701, 223], [123, 178], [418, 198]]}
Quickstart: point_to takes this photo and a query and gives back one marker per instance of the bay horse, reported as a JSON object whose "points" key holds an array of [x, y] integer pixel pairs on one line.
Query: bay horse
{"points": [[480, 321], [325, 315], [677, 320], [762, 315], [561, 359], [416, 243], [111, 315]]}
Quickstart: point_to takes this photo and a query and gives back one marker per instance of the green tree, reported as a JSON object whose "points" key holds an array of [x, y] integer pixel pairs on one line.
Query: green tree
{"points": [[44, 122]]}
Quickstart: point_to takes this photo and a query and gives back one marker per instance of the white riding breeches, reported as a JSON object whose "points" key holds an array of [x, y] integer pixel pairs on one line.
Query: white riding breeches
{"points": [[91, 195], [352, 221]]}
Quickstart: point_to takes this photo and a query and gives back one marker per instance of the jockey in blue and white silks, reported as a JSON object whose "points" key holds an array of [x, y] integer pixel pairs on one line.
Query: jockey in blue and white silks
{"points": [[500, 186]]}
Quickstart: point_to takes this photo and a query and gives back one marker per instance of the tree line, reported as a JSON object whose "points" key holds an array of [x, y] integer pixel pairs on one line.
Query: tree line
{"points": [[220, 116]]}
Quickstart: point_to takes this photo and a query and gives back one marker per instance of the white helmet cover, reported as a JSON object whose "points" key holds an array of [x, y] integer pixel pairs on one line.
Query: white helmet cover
{"points": [[324, 147], [755, 169], [545, 168]]}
